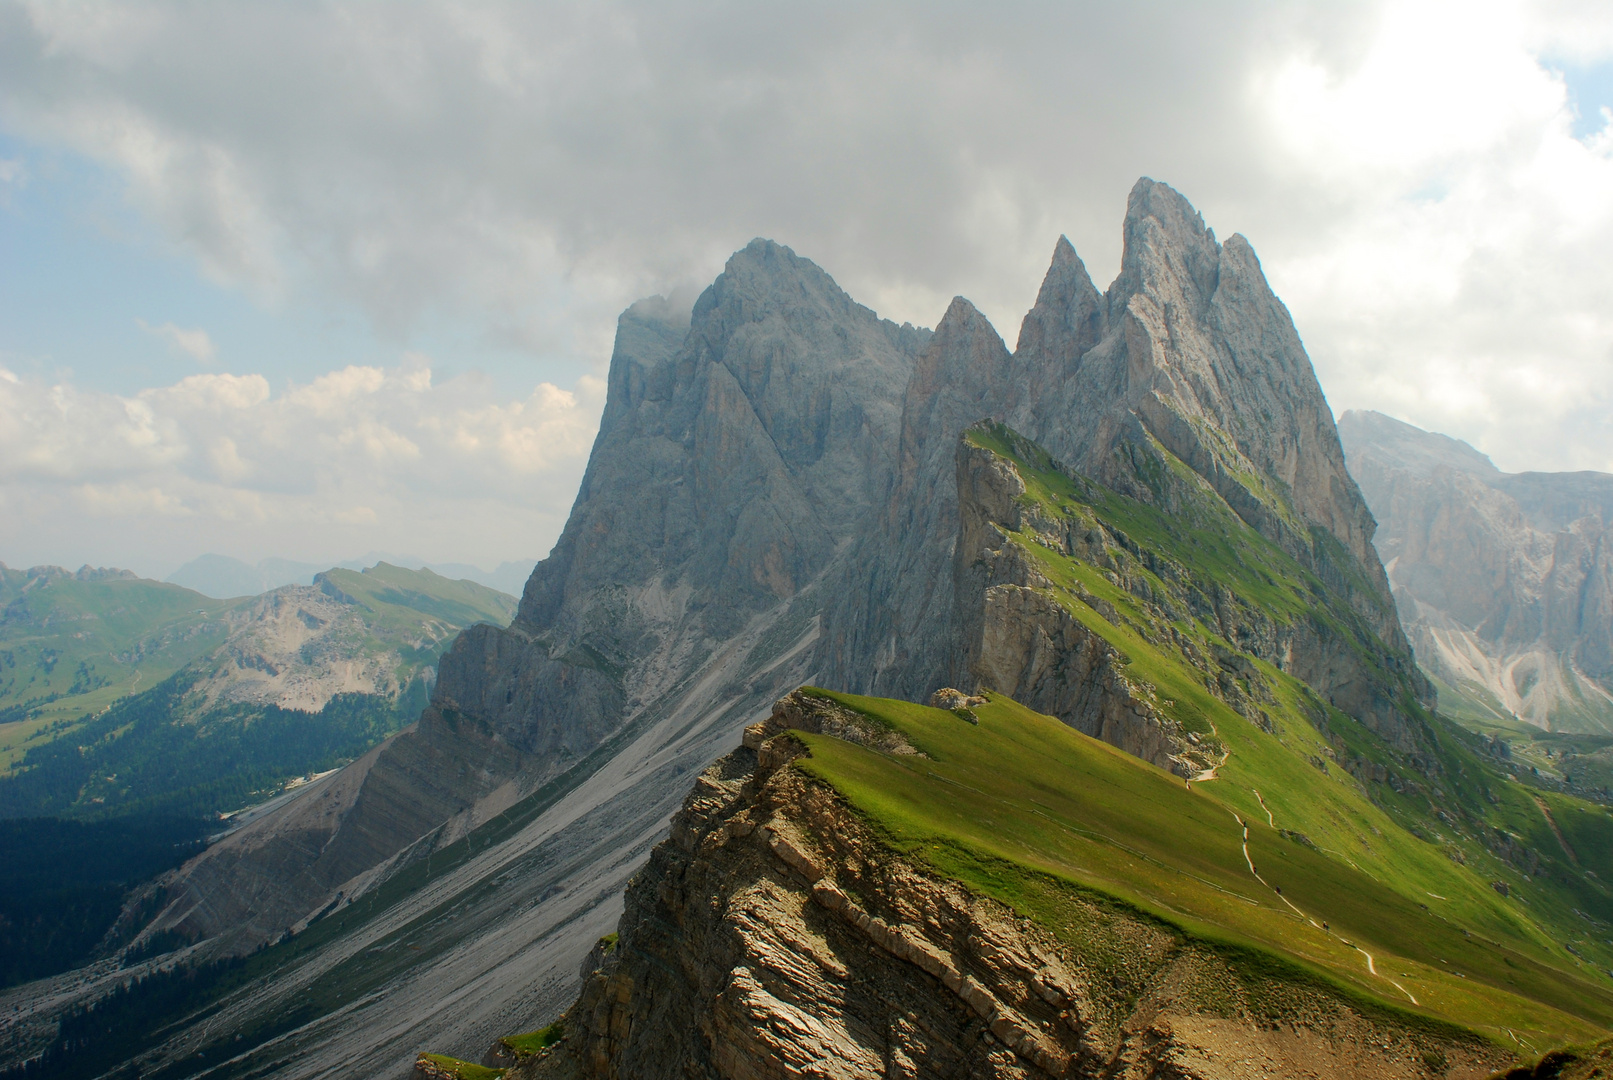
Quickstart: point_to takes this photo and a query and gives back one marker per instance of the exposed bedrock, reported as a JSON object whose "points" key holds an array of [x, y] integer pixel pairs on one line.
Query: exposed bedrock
{"points": [[740, 450], [1188, 352], [1504, 580], [773, 936], [1014, 637]]}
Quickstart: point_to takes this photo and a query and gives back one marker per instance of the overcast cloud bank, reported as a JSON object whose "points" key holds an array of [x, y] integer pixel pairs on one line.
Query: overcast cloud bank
{"points": [[1409, 174]]}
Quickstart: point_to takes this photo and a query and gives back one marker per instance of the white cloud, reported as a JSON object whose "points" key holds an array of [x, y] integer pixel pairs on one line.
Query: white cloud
{"points": [[1465, 276], [358, 459], [1407, 170], [196, 344]]}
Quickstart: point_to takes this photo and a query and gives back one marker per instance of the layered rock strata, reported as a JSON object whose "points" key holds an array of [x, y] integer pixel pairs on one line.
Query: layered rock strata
{"points": [[773, 935]]}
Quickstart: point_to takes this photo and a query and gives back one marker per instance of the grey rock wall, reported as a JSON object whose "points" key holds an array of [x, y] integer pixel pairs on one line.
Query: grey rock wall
{"points": [[888, 626], [740, 450], [1505, 580], [1188, 352], [773, 497]]}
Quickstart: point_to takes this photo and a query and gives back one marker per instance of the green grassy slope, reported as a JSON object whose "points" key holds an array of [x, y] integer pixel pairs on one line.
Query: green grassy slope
{"points": [[398, 597], [70, 647], [1020, 801], [416, 613], [1487, 898], [1460, 822], [160, 750], [120, 761]]}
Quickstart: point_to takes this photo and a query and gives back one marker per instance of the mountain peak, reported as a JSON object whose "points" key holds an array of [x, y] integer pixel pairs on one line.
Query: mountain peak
{"points": [[1068, 317], [1167, 247], [1364, 431]]}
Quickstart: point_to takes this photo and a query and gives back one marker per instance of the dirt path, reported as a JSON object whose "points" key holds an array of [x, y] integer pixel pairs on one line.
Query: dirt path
{"points": [[1562, 841], [1269, 819], [1371, 966]]}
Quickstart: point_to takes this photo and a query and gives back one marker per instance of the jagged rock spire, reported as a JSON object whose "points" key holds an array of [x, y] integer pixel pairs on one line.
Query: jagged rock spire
{"points": [[1068, 317]]}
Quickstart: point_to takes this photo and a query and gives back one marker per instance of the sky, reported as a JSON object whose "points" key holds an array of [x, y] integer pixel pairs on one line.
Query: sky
{"points": [[312, 279]]}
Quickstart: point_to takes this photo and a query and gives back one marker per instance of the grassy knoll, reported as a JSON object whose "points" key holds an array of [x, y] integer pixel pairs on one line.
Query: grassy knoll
{"points": [[444, 1066], [1020, 800], [529, 1043]]}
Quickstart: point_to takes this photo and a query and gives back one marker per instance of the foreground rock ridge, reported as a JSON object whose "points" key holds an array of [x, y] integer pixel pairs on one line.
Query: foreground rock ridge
{"points": [[776, 935], [1504, 580]]}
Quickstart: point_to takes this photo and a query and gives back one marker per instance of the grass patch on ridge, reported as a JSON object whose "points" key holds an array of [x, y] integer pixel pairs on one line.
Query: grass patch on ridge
{"points": [[1021, 793]]}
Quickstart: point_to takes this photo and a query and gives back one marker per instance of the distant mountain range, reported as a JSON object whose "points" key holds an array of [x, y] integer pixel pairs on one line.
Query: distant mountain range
{"points": [[1503, 580], [76, 644], [224, 577], [144, 712]]}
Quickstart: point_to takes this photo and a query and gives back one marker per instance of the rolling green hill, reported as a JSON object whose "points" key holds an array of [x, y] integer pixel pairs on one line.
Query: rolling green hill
{"points": [[231, 698], [73, 643], [146, 711]]}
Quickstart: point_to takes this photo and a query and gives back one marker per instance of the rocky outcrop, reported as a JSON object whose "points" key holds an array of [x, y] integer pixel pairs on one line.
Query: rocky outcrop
{"points": [[1019, 635], [1505, 581], [1020, 641], [298, 646], [740, 450], [887, 627], [784, 458], [1188, 354], [735, 457], [773, 935]]}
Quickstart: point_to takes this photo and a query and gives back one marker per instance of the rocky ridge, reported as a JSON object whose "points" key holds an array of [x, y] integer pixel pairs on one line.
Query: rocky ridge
{"points": [[1187, 356], [739, 449], [1505, 581], [774, 935], [1021, 641], [786, 458], [1213, 611], [298, 646]]}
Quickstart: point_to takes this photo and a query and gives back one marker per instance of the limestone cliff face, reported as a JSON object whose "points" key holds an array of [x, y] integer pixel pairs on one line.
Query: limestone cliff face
{"points": [[740, 449], [1199, 357], [1014, 637], [1505, 581], [1189, 354], [731, 463], [1019, 641], [773, 935], [888, 622]]}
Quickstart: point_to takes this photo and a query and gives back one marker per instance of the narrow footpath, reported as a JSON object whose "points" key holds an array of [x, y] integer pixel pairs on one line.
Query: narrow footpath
{"points": [[1372, 967]]}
